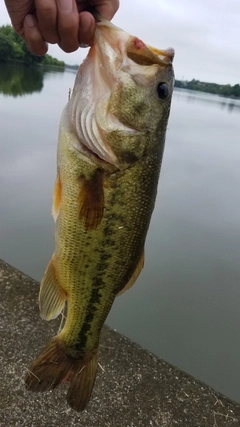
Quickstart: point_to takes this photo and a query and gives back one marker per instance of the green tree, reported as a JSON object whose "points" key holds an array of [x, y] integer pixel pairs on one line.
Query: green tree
{"points": [[6, 48], [236, 91], [223, 90], [13, 48]]}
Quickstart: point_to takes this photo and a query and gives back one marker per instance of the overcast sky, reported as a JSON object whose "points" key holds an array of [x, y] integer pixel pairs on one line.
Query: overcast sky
{"points": [[204, 33]]}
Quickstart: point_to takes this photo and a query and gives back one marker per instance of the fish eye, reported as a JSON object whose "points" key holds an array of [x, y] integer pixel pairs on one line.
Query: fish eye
{"points": [[162, 90]]}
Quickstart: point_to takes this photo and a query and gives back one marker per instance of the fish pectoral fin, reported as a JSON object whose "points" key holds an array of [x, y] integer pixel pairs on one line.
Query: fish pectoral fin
{"points": [[91, 200], [51, 297], [57, 194], [54, 367], [134, 276]]}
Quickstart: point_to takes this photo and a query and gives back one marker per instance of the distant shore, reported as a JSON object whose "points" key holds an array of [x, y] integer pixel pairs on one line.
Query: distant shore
{"points": [[39, 65], [13, 49], [227, 91]]}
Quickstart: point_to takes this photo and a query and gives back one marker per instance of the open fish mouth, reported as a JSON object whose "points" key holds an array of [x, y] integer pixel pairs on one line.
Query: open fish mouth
{"points": [[167, 54], [114, 51], [133, 47]]}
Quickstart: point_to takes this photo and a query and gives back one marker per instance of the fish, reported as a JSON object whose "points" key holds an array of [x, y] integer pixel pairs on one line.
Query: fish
{"points": [[110, 147]]}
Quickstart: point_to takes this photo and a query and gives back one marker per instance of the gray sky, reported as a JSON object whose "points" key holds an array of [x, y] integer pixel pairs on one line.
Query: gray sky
{"points": [[204, 33]]}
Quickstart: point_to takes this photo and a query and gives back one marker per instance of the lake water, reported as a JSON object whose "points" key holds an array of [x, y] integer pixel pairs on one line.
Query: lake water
{"points": [[185, 306]]}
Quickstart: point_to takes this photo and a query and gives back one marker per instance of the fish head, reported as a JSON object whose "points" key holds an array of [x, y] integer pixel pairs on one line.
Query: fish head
{"points": [[121, 98]]}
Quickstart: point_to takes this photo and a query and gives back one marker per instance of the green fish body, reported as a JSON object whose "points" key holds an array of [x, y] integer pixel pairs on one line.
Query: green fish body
{"points": [[111, 142]]}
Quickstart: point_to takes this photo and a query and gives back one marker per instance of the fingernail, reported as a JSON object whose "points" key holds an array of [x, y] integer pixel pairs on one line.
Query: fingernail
{"points": [[66, 6], [83, 45], [30, 21]]}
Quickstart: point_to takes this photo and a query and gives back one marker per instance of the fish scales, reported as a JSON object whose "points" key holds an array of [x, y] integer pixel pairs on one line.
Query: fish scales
{"points": [[111, 142], [106, 257]]}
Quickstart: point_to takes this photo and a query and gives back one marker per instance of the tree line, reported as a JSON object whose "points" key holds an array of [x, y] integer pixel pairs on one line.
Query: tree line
{"points": [[223, 90], [13, 48]]}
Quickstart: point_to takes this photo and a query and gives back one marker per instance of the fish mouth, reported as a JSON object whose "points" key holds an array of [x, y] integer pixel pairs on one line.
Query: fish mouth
{"points": [[146, 55], [136, 49], [167, 53], [112, 52]]}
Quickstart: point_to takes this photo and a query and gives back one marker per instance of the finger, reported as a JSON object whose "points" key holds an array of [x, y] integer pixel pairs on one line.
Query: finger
{"points": [[68, 22], [17, 12], [46, 11], [86, 29], [32, 36], [86, 21], [107, 8]]}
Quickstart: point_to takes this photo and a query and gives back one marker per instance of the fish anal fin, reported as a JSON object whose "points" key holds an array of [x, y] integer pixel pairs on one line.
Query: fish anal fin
{"points": [[57, 194], [134, 276], [54, 367], [91, 200], [51, 297]]}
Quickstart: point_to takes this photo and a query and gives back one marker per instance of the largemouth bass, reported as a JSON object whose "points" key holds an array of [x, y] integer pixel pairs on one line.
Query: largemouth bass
{"points": [[111, 142]]}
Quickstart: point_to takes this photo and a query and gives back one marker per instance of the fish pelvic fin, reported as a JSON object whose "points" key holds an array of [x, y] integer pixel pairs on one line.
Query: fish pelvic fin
{"points": [[54, 367], [51, 296]]}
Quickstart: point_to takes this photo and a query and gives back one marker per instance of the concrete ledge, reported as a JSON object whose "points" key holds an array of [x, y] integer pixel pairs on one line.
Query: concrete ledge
{"points": [[135, 389]]}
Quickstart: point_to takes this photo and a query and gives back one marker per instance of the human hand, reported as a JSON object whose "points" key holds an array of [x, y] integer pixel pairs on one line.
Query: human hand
{"points": [[65, 22]]}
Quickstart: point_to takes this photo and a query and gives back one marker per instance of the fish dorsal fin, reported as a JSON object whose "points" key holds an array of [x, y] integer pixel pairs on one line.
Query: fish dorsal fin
{"points": [[134, 276], [51, 297], [91, 200], [57, 194]]}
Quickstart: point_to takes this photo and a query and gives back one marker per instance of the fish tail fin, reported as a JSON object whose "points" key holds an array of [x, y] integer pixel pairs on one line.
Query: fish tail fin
{"points": [[81, 386], [54, 367]]}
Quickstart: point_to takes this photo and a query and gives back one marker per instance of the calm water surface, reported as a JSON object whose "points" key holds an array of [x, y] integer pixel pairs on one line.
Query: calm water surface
{"points": [[185, 306]]}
